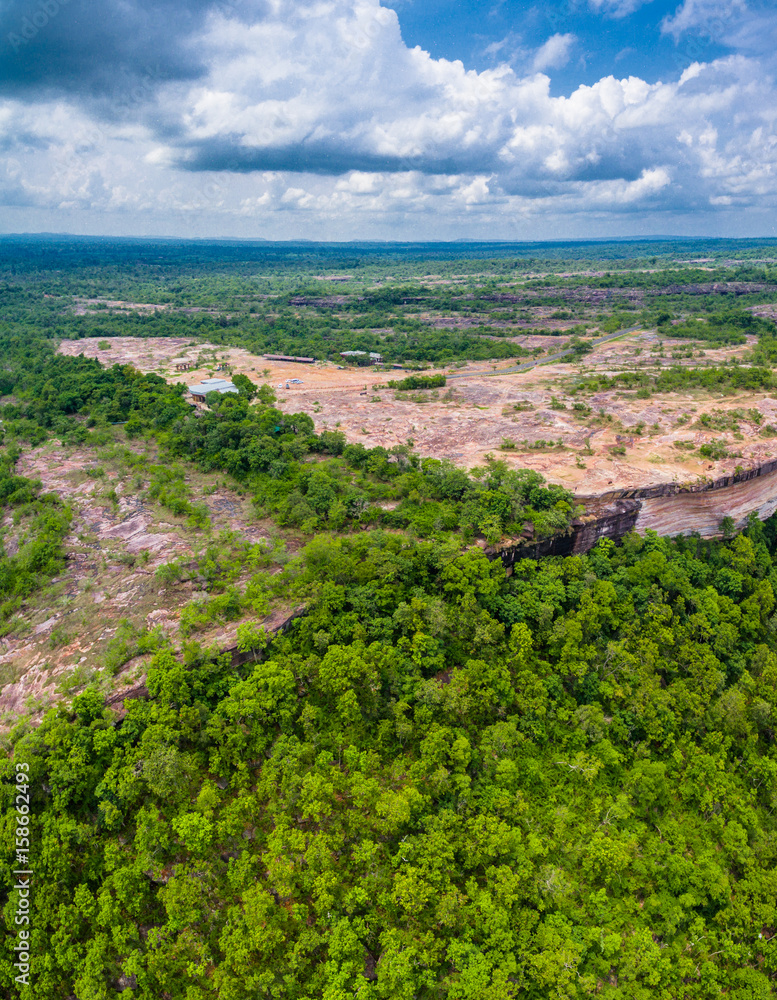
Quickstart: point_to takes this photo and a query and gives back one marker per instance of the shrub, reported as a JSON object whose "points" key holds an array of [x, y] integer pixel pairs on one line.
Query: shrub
{"points": [[420, 382]]}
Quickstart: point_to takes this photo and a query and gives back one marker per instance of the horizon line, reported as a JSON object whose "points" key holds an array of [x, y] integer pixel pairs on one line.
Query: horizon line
{"points": [[45, 234]]}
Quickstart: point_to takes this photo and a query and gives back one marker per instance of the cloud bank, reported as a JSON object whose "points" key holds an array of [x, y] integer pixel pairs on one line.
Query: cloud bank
{"points": [[315, 118]]}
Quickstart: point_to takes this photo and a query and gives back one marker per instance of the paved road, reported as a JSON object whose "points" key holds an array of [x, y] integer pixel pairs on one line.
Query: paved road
{"points": [[551, 357]]}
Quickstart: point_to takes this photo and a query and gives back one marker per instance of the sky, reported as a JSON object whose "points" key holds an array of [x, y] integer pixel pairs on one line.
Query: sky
{"points": [[389, 119]]}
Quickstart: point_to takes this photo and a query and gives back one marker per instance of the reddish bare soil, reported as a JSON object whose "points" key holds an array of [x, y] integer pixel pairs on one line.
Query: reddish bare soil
{"points": [[475, 416], [61, 639]]}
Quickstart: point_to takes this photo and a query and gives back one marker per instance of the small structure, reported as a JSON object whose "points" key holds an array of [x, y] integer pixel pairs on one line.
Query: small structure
{"points": [[374, 359], [183, 366], [201, 390], [222, 367], [287, 357]]}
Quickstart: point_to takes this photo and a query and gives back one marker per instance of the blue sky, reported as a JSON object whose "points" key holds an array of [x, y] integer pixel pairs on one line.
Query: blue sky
{"points": [[606, 39], [388, 119]]}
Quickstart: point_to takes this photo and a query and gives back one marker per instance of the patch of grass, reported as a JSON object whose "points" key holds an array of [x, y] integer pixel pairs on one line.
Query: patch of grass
{"points": [[59, 637], [714, 450], [725, 420], [124, 558], [77, 678], [129, 642], [542, 445], [754, 416], [15, 626], [7, 674]]}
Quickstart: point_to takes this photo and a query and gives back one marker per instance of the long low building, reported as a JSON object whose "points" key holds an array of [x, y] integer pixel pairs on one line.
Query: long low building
{"points": [[288, 357], [201, 390], [374, 357]]}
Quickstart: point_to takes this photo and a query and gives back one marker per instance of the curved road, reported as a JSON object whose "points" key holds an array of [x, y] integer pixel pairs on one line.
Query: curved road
{"points": [[551, 357]]}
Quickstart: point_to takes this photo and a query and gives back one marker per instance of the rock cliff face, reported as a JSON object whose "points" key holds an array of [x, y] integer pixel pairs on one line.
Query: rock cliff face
{"points": [[676, 509], [666, 508], [612, 519]]}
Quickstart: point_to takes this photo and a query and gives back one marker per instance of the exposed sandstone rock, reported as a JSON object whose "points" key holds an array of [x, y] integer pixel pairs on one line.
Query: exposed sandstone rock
{"points": [[666, 508]]}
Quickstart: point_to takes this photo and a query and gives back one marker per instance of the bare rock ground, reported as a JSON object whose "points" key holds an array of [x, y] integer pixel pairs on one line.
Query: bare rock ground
{"points": [[474, 417], [62, 636], [525, 418]]}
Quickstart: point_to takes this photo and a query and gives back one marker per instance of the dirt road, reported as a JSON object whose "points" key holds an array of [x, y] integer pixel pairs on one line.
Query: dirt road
{"points": [[550, 357]]}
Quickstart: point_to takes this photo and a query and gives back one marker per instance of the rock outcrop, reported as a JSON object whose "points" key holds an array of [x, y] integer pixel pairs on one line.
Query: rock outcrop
{"points": [[666, 508], [682, 509]]}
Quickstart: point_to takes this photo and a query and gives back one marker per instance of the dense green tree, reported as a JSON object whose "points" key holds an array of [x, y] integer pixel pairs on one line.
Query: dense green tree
{"points": [[443, 782]]}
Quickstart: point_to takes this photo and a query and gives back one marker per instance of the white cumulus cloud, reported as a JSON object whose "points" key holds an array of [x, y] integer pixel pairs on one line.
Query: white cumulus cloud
{"points": [[554, 53], [712, 18], [317, 110]]}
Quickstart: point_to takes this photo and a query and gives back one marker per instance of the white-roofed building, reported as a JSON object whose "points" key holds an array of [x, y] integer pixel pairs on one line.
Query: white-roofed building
{"points": [[201, 390], [375, 358]]}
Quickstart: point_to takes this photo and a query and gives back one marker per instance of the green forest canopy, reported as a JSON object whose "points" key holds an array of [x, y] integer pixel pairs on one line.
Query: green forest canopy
{"points": [[443, 782]]}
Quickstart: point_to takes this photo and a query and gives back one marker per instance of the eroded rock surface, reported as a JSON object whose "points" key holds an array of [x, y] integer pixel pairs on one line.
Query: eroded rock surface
{"points": [[64, 635]]}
